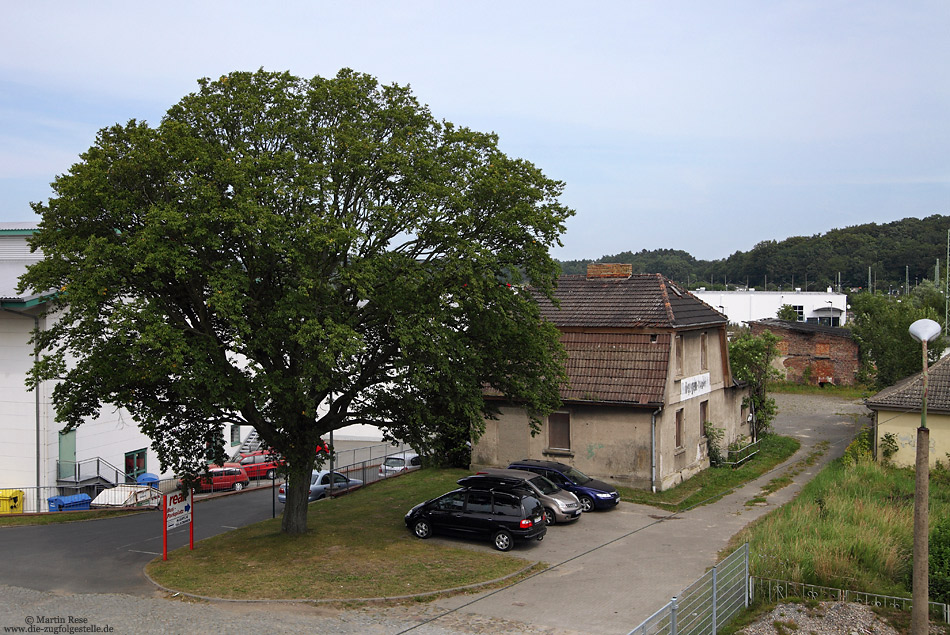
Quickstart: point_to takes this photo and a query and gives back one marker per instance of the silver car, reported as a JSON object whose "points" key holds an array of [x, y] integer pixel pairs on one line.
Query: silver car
{"points": [[321, 485], [560, 505]]}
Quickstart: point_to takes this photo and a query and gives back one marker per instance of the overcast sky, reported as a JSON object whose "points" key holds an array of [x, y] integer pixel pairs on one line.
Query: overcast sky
{"points": [[703, 126]]}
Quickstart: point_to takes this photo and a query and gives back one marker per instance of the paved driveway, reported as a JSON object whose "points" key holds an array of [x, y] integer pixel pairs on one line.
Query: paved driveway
{"points": [[648, 556]]}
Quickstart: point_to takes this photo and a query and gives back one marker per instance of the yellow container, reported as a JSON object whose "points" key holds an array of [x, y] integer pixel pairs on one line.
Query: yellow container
{"points": [[11, 501]]}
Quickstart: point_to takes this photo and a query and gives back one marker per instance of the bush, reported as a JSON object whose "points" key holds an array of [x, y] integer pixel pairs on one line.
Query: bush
{"points": [[888, 447], [861, 449], [939, 569], [714, 438]]}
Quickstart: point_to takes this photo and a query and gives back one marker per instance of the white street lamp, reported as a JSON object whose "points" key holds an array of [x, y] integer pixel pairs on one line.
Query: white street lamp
{"points": [[923, 331]]}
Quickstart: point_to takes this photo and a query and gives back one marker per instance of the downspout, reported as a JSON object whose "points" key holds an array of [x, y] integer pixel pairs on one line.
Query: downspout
{"points": [[653, 449], [36, 392]]}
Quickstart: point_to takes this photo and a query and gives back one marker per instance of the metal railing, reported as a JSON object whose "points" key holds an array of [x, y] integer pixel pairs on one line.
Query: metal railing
{"points": [[707, 604], [735, 458], [779, 590]]}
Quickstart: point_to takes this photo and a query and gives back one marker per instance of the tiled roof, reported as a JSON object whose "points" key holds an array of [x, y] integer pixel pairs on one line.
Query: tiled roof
{"points": [[806, 327], [907, 394], [620, 368], [637, 301]]}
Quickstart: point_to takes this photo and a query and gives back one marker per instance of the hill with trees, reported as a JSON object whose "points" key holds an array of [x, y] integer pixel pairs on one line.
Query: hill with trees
{"points": [[884, 252]]}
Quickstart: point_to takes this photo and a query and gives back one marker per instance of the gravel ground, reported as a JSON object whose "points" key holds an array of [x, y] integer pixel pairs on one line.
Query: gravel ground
{"points": [[130, 615], [827, 618]]}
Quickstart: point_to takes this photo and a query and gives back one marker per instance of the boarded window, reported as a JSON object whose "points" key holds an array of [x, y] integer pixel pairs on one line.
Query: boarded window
{"points": [[678, 345], [703, 417], [679, 428], [822, 348], [559, 430], [702, 352]]}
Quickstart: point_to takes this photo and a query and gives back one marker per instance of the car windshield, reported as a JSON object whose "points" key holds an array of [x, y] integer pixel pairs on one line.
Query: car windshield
{"points": [[577, 476], [394, 462], [544, 485]]}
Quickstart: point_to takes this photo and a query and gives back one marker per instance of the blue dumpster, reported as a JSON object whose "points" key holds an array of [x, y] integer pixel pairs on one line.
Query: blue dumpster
{"points": [[148, 478], [69, 503]]}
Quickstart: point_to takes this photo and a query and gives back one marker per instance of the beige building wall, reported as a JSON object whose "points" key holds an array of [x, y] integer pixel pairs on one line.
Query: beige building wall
{"points": [[904, 427]]}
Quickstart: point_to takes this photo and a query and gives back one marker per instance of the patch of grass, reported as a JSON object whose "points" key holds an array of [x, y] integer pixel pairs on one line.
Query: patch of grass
{"points": [[786, 478], [844, 392], [710, 485], [850, 528], [51, 518], [357, 547]]}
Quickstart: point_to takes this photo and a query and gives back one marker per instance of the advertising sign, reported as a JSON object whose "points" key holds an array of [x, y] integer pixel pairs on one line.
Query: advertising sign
{"points": [[177, 510], [694, 386]]}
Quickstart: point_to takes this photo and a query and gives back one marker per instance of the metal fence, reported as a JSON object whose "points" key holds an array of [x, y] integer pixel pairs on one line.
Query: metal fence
{"points": [[735, 458], [707, 604], [779, 590], [362, 463]]}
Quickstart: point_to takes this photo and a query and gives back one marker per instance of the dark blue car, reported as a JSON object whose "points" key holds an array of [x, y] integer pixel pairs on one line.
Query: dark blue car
{"points": [[592, 494]]}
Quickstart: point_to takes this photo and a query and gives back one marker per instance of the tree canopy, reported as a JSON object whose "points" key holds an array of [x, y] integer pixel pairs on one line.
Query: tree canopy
{"points": [[880, 326], [296, 255], [751, 358]]}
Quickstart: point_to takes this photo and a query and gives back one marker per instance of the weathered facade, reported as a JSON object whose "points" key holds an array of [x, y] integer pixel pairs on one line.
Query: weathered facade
{"points": [[647, 364], [812, 353], [897, 409]]}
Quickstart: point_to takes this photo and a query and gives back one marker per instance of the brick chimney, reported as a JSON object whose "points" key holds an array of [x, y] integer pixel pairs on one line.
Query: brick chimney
{"points": [[609, 270]]}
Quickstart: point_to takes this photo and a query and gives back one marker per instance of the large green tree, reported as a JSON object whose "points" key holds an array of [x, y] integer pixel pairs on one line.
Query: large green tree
{"points": [[295, 255], [880, 325], [751, 358]]}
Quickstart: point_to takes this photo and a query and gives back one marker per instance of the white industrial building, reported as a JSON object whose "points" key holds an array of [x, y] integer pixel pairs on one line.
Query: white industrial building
{"points": [[816, 307]]}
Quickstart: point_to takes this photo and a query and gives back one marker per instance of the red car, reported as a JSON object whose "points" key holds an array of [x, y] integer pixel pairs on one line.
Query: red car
{"points": [[261, 464], [222, 478]]}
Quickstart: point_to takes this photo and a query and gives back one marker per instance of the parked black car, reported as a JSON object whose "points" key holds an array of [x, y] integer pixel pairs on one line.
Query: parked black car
{"points": [[593, 494], [502, 514]]}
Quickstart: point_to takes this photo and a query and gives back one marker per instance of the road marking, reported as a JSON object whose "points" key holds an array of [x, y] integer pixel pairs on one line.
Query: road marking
{"points": [[151, 553], [229, 527]]}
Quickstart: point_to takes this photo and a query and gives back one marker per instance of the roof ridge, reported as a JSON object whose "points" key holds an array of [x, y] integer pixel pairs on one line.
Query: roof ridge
{"points": [[666, 299]]}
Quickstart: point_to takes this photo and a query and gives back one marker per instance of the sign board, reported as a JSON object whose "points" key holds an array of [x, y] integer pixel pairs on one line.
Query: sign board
{"points": [[695, 386], [177, 510]]}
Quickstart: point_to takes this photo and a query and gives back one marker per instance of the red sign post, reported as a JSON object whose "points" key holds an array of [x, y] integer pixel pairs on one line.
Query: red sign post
{"points": [[177, 509]]}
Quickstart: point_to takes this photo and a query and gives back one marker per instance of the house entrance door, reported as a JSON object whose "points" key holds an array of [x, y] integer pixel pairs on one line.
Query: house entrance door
{"points": [[67, 455]]}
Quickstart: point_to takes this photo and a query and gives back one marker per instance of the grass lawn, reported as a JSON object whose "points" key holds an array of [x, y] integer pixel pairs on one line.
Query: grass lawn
{"points": [[844, 392], [357, 547], [710, 485]]}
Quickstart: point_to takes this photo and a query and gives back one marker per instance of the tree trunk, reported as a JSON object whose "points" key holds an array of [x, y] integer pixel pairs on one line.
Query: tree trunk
{"points": [[296, 506]]}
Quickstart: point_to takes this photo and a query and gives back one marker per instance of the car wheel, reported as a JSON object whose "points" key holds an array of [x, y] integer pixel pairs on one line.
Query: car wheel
{"points": [[541, 537], [238, 487], [271, 474], [549, 518], [502, 540], [587, 503], [422, 529]]}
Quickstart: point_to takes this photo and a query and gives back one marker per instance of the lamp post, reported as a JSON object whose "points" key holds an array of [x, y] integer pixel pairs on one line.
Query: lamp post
{"points": [[923, 331]]}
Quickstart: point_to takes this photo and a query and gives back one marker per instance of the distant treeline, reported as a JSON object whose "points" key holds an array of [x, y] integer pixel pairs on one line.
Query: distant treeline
{"points": [[812, 263]]}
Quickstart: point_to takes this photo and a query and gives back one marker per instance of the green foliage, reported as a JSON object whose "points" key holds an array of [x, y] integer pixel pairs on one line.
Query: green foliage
{"points": [[939, 563], [787, 312], [297, 255], [880, 326], [714, 437], [910, 245], [751, 360], [888, 447], [861, 449]]}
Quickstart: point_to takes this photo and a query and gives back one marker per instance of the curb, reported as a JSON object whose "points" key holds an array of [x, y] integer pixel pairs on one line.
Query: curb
{"points": [[392, 598]]}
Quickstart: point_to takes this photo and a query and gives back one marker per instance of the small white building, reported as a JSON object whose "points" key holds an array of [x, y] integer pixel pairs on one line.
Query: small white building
{"points": [[816, 307], [35, 456]]}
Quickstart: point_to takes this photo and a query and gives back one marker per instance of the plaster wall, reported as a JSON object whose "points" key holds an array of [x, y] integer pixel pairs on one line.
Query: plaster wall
{"points": [[904, 427]]}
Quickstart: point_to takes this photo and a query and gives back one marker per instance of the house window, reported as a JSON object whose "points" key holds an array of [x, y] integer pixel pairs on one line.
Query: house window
{"points": [[235, 435], [678, 352], [799, 311], [703, 417], [702, 352], [679, 428], [134, 464], [559, 430]]}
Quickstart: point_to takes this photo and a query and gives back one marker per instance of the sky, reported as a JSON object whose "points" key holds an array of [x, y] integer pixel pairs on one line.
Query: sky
{"points": [[703, 126]]}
